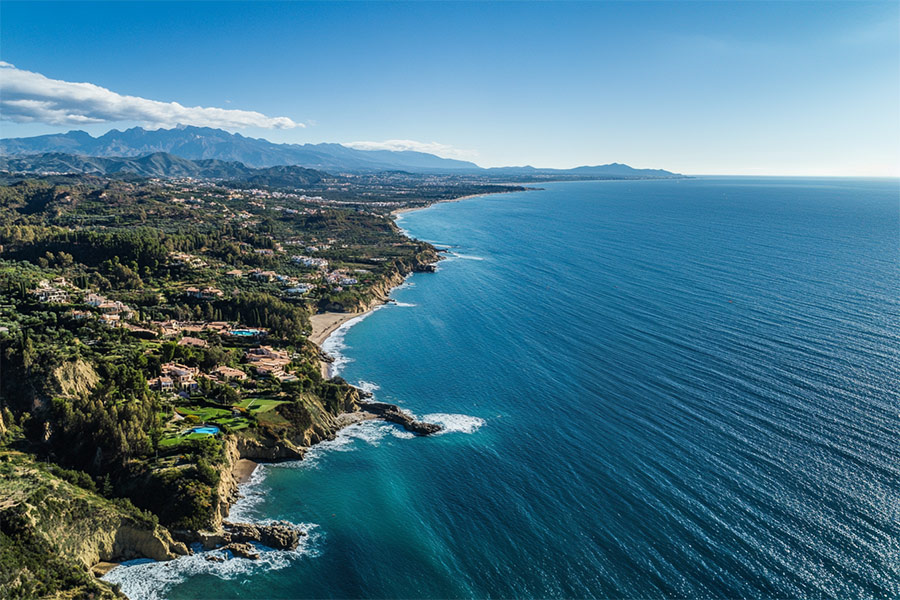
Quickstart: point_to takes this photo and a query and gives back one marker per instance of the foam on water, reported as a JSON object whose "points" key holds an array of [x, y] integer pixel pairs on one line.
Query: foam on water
{"points": [[151, 580], [467, 256], [251, 494], [348, 439], [454, 423], [368, 386]]}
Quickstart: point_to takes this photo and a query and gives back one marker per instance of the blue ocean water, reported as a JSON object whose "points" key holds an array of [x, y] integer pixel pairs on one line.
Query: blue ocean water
{"points": [[653, 389]]}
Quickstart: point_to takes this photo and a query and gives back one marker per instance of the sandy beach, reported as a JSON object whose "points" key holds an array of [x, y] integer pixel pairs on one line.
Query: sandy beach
{"points": [[324, 324], [243, 469]]}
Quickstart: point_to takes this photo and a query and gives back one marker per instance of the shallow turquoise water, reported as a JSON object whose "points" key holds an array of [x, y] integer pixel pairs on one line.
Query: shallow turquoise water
{"points": [[653, 389]]}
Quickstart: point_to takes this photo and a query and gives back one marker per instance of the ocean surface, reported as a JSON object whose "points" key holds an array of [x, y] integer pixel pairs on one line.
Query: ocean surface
{"points": [[651, 389]]}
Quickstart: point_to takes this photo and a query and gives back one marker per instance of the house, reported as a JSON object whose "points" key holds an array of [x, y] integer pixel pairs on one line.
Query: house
{"points": [[194, 342], [309, 261], [207, 293], [108, 319], [161, 383], [303, 288], [263, 275], [94, 300], [182, 376], [267, 368], [235, 273], [108, 307], [51, 295], [266, 353], [228, 374]]}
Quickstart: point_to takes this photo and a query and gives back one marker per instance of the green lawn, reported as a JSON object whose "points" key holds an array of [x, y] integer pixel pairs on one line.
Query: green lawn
{"points": [[259, 405], [204, 413]]}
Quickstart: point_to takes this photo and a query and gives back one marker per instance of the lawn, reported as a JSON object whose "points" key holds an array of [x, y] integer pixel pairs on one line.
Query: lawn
{"points": [[204, 413], [259, 405]]}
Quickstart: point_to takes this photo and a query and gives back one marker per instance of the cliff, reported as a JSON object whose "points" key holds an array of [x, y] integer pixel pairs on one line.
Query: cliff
{"points": [[59, 530], [379, 292]]}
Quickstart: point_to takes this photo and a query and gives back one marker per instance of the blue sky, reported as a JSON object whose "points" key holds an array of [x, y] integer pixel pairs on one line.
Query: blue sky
{"points": [[730, 87]]}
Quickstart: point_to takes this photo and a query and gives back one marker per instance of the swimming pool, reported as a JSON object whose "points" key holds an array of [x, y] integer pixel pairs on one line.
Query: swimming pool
{"points": [[208, 430], [244, 332]]}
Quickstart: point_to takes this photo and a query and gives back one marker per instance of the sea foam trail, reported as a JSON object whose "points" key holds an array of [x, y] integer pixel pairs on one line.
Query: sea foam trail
{"points": [[454, 423]]}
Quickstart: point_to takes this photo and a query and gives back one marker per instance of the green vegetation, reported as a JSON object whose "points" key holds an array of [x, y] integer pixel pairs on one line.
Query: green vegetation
{"points": [[121, 308]]}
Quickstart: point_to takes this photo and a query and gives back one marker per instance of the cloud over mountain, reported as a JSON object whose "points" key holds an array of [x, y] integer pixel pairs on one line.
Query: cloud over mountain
{"points": [[26, 96], [412, 145]]}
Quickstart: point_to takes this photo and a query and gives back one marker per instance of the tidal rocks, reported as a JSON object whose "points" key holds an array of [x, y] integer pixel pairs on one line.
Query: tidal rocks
{"points": [[242, 550], [280, 536], [392, 413]]}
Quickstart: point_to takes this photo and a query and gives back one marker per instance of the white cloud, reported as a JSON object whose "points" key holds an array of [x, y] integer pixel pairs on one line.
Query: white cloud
{"points": [[399, 145], [27, 97]]}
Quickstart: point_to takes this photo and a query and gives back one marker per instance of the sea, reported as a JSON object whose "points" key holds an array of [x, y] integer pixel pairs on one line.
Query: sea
{"points": [[650, 389]]}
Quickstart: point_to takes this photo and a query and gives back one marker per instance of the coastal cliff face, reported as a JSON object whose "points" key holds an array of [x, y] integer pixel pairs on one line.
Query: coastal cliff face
{"points": [[310, 419], [379, 292], [66, 529]]}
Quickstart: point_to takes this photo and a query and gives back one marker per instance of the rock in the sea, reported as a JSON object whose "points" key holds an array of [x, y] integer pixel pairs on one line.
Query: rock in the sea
{"points": [[280, 536], [392, 413], [242, 550]]}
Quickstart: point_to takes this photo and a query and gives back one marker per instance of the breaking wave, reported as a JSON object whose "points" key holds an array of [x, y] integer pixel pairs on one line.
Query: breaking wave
{"points": [[455, 423]]}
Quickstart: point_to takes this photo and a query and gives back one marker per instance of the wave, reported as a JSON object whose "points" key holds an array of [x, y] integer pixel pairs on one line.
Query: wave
{"points": [[466, 256], [368, 386], [145, 579], [455, 423], [250, 495], [347, 440]]}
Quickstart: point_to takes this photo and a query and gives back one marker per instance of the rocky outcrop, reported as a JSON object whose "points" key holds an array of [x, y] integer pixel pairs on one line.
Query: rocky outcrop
{"points": [[242, 550], [392, 413], [267, 450], [380, 291], [128, 542], [280, 536]]}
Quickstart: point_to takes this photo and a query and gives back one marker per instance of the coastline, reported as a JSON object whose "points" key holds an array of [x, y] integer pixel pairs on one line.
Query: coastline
{"points": [[243, 456], [324, 325]]}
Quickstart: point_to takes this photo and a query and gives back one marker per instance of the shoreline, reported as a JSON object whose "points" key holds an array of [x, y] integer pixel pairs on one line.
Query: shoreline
{"points": [[324, 325]]}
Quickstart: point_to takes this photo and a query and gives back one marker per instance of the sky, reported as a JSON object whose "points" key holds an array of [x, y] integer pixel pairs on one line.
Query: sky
{"points": [[809, 88]]}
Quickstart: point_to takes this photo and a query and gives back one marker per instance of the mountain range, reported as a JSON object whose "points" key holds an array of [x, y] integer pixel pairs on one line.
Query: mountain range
{"points": [[162, 164], [205, 144]]}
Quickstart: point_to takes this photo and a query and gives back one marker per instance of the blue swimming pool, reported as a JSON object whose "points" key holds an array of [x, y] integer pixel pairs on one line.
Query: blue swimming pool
{"points": [[209, 430], [245, 332]]}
